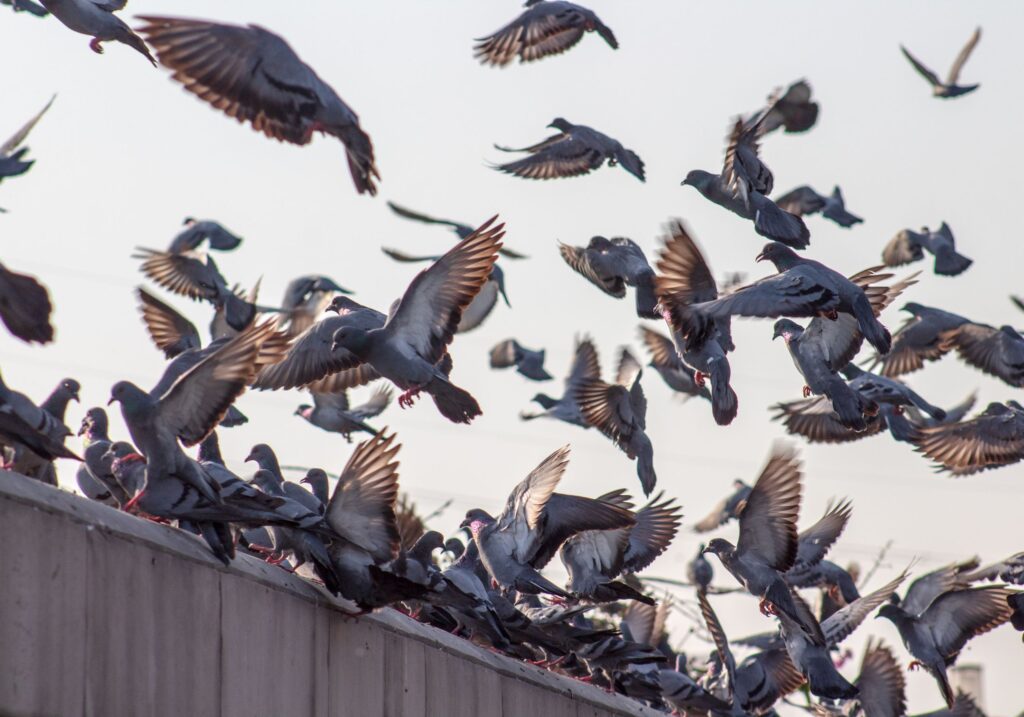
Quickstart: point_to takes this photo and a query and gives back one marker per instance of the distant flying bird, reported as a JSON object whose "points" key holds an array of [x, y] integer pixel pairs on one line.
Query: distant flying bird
{"points": [[909, 246], [794, 110], [803, 201], [949, 88], [546, 27], [993, 438], [98, 20], [577, 150], [726, 509], [528, 362], [332, 412], [12, 154], [585, 365], [305, 300], [461, 230], [253, 75], [25, 307], [613, 264], [197, 231]]}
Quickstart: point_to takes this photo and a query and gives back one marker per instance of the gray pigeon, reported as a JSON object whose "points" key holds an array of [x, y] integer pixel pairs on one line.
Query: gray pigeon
{"points": [[26, 6], [198, 231], [794, 110], [585, 366], [992, 439], [546, 27], [919, 339], [814, 542], [744, 184], [882, 389], [190, 408], [25, 307], [909, 246], [728, 508], [264, 456], [528, 362], [305, 300], [803, 201], [577, 150], [613, 264], [316, 479], [254, 76], [95, 477], [55, 406], [415, 338], [461, 230], [813, 660], [534, 524], [332, 413], [996, 352], [619, 411], [768, 542], [676, 374], [684, 280], [949, 88], [699, 571], [12, 154], [24, 425], [935, 635], [97, 19]]}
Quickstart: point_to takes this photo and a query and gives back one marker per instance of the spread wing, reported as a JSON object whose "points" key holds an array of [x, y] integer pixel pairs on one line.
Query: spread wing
{"points": [[957, 616], [801, 201], [815, 419], [989, 349], [923, 591], [656, 527], [903, 248], [171, 332], [994, 438], [932, 78], [814, 542], [961, 59], [564, 155], [881, 683], [578, 259], [542, 30], [21, 135], [585, 364], [768, 522], [841, 624]]}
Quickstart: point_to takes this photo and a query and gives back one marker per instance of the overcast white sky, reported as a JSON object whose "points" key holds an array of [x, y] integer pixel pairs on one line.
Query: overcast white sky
{"points": [[125, 154]]}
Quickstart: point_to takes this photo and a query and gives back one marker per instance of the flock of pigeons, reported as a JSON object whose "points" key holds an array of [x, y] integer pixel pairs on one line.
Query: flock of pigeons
{"points": [[366, 545]]}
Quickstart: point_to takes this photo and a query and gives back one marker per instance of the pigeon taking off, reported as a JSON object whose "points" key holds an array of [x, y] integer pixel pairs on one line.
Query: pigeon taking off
{"points": [[803, 201], [528, 362], [949, 88], [546, 27], [253, 75], [98, 20], [576, 150], [909, 246], [613, 264]]}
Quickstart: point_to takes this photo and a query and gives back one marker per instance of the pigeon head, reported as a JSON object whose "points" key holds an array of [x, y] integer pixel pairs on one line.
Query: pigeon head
{"points": [[426, 545], [476, 519], [264, 456], [352, 339], [913, 307], [342, 305], [266, 482], [700, 550], [454, 546], [69, 387], [498, 277], [544, 400], [699, 179], [95, 423], [303, 410], [189, 221], [891, 611], [316, 479], [130, 396], [787, 329], [560, 124], [720, 547], [778, 254]]}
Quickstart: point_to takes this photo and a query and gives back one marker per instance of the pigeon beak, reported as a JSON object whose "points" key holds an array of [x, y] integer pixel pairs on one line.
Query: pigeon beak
{"points": [[760, 257], [684, 183], [330, 310], [306, 481], [504, 296], [82, 429], [111, 401], [249, 457]]}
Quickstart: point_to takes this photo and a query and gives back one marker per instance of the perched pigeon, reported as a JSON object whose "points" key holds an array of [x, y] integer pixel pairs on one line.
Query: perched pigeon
{"points": [[993, 438], [664, 359], [684, 279], [803, 201], [909, 246], [594, 558], [198, 231], [728, 508], [613, 264], [585, 366], [23, 424], [577, 150], [95, 476], [546, 27], [918, 340], [26, 6], [744, 184], [949, 88], [699, 571], [528, 362], [534, 524], [935, 635], [98, 20], [331, 412], [253, 75], [619, 411], [768, 542], [305, 300], [415, 338], [794, 110], [25, 307], [996, 352]]}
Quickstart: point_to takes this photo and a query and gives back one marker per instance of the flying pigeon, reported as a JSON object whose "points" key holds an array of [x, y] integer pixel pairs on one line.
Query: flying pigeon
{"points": [[613, 264], [517, 544], [26, 6], [585, 366], [305, 300], [546, 27], [949, 88], [803, 201], [577, 150], [728, 508], [744, 184], [794, 110], [98, 20], [415, 338], [25, 307], [919, 339], [198, 231], [992, 439], [331, 412], [461, 230], [882, 389], [254, 76], [528, 362], [909, 246], [666, 362], [996, 352], [12, 159], [812, 660], [699, 571]]}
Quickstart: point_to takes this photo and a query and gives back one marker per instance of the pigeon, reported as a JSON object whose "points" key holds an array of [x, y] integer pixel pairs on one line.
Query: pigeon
{"points": [[919, 339], [996, 352], [1010, 570], [26, 6], [517, 544], [461, 230], [12, 154], [332, 413], [814, 542], [699, 571], [881, 685], [909, 246], [803, 201], [94, 475], [484, 302], [189, 408], [545, 28], [254, 76], [768, 542], [97, 19], [198, 231], [683, 280], [794, 111], [528, 363], [949, 88], [305, 300], [992, 439], [812, 660], [619, 411], [415, 338], [1016, 603], [264, 456], [613, 264], [728, 508], [24, 424], [666, 362], [744, 185], [594, 558], [27, 462], [577, 150], [882, 389], [585, 366], [25, 307], [680, 691], [935, 635]]}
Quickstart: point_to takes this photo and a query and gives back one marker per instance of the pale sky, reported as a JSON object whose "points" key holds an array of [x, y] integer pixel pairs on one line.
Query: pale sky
{"points": [[125, 154]]}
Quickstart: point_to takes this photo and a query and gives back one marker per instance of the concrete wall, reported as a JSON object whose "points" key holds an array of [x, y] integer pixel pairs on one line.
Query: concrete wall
{"points": [[103, 614]]}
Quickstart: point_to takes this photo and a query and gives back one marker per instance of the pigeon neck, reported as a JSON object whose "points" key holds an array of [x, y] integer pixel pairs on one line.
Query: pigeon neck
{"points": [[209, 450], [56, 404]]}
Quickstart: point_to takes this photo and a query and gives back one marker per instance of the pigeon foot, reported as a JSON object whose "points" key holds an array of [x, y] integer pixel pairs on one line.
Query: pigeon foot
{"points": [[898, 410], [767, 609], [698, 378], [408, 398], [914, 666], [807, 391], [94, 45], [132, 503]]}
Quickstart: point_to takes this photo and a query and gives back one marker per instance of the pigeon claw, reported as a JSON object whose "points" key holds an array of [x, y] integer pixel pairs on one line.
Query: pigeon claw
{"points": [[767, 609], [95, 46], [408, 398], [127, 507], [898, 410], [807, 391], [914, 665], [698, 378]]}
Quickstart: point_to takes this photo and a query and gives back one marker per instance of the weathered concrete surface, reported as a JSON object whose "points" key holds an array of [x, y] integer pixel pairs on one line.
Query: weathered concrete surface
{"points": [[103, 614]]}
